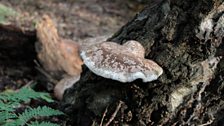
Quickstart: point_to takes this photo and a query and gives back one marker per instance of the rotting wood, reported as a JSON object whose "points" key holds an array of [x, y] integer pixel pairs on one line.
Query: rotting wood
{"points": [[168, 33], [16, 50]]}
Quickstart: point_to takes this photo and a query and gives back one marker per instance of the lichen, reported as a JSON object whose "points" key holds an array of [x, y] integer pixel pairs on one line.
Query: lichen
{"points": [[207, 69]]}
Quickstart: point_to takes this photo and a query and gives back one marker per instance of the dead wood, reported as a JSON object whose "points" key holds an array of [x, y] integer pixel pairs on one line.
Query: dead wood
{"points": [[184, 37], [16, 50], [174, 35]]}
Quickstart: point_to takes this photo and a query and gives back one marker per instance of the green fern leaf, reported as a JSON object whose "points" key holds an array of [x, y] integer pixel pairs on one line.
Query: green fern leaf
{"points": [[4, 116], [42, 124], [6, 107], [24, 95], [10, 100], [36, 112]]}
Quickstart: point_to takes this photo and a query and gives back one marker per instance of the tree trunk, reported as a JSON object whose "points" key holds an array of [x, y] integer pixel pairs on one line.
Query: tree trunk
{"points": [[186, 39]]}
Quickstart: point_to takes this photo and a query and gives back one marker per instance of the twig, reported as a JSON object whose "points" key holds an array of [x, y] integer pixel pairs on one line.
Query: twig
{"points": [[114, 114], [104, 114], [94, 123], [47, 75], [26, 85], [29, 83]]}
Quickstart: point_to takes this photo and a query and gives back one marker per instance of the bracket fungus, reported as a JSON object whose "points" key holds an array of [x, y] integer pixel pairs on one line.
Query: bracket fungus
{"points": [[64, 84], [124, 63], [58, 55]]}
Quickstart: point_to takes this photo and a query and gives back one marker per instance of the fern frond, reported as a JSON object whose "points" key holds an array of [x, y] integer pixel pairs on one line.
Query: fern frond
{"points": [[7, 118], [23, 95], [12, 123], [4, 116], [6, 107], [36, 112], [11, 100], [42, 124]]}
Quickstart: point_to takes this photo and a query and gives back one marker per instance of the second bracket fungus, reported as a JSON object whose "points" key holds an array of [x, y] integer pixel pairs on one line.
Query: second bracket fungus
{"points": [[58, 56], [124, 63]]}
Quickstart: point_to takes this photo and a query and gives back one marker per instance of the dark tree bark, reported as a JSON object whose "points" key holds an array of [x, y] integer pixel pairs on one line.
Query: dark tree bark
{"points": [[186, 39], [17, 51]]}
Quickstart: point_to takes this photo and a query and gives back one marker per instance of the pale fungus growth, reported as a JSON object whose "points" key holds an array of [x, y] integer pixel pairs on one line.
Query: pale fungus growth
{"points": [[135, 47], [58, 55], [88, 42], [70, 60], [124, 63], [64, 84]]}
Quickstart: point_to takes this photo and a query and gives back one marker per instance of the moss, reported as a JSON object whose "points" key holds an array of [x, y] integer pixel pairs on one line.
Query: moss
{"points": [[6, 12]]}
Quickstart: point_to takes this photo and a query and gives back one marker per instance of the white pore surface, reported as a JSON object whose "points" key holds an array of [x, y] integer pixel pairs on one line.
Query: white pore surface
{"points": [[116, 75]]}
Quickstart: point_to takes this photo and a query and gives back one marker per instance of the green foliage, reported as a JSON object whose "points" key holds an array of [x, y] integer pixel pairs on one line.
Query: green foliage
{"points": [[10, 101], [42, 124], [24, 95], [6, 11]]}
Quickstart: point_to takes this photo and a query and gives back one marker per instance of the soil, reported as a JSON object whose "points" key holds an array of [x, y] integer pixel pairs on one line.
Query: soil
{"points": [[79, 19]]}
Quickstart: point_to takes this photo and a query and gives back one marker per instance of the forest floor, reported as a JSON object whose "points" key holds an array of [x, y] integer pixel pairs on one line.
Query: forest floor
{"points": [[75, 19], [78, 19]]}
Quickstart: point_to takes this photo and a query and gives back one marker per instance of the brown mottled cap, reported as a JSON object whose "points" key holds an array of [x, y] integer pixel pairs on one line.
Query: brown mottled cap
{"points": [[135, 47], [123, 63]]}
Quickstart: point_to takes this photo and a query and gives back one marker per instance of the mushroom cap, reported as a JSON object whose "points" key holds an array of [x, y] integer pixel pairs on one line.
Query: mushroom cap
{"points": [[135, 47], [120, 62], [88, 42]]}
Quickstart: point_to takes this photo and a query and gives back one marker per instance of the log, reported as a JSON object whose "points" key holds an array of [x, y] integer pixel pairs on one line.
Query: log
{"points": [[17, 50], [186, 39]]}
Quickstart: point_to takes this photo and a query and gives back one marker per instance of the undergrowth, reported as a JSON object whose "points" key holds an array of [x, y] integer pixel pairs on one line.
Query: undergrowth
{"points": [[11, 101]]}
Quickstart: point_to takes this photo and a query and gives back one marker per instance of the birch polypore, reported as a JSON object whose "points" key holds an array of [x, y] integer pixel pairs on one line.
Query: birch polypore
{"points": [[58, 55], [124, 63]]}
